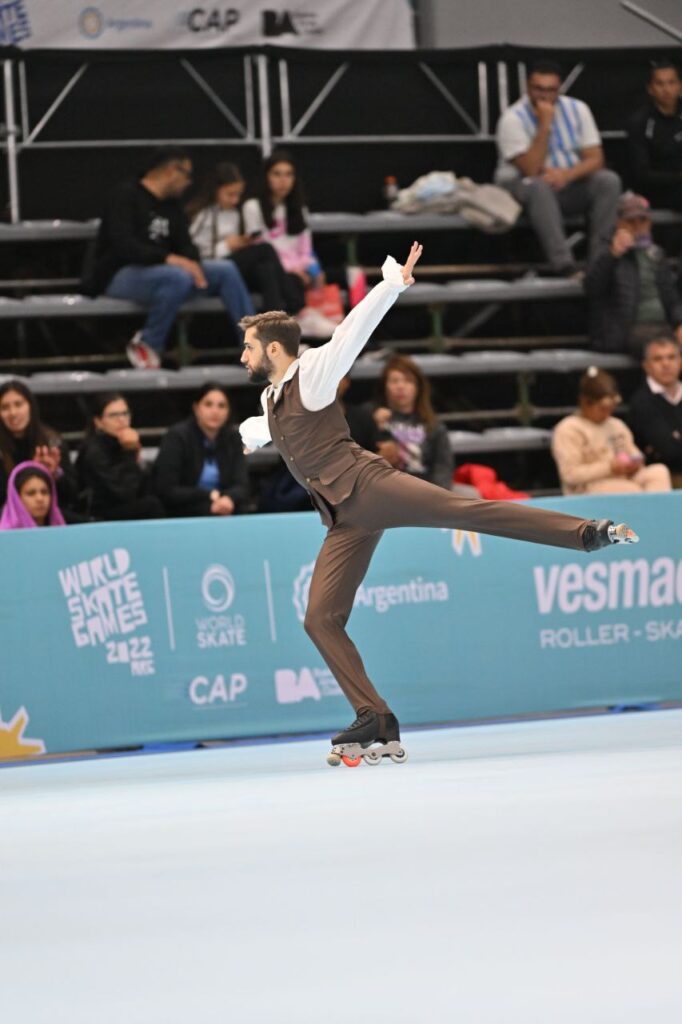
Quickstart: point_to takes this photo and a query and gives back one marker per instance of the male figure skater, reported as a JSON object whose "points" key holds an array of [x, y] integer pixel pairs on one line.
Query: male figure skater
{"points": [[358, 494]]}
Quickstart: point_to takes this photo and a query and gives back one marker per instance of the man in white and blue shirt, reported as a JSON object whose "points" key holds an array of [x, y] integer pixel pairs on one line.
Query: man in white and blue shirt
{"points": [[552, 161]]}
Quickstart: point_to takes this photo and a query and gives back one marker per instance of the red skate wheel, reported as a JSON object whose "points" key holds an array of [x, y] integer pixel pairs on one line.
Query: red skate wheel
{"points": [[351, 762]]}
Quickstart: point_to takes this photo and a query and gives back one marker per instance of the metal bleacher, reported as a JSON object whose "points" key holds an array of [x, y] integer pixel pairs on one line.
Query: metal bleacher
{"points": [[434, 297]]}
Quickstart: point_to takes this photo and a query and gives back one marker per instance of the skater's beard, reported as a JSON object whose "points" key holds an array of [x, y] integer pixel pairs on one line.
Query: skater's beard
{"points": [[261, 374]]}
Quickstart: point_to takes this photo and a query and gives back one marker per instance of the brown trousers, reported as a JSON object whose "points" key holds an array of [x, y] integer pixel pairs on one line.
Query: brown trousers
{"points": [[382, 499]]}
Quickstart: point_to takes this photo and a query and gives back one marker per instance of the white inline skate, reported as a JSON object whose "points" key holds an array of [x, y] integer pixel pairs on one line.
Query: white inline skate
{"points": [[370, 738]]}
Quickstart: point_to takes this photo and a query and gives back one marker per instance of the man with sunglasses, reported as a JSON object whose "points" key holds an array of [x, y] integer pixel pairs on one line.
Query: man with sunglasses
{"points": [[144, 253], [629, 284], [552, 162]]}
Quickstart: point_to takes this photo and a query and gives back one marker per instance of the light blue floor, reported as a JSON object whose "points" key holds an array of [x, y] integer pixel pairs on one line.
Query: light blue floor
{"points": [[526, 873]]}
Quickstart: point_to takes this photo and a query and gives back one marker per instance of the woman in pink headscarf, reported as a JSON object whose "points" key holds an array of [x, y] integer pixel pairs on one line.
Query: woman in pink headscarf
{"points": [[31, 499]]}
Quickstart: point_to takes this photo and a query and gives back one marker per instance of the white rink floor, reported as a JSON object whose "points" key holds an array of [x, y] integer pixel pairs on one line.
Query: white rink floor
{"points": [[526, 873]]}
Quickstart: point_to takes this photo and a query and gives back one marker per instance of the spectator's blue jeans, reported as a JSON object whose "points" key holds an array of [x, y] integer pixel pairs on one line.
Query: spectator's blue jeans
{"points": [[164, 289]]}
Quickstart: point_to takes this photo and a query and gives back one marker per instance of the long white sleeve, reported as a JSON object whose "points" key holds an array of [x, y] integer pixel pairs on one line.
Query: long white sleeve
{"points": [[321, 369], [255, 431]]}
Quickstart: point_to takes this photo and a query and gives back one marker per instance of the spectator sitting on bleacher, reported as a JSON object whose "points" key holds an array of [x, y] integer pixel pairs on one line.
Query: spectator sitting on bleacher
{"points": [[656, 408], [200, 469], [110, 468], [277, 214], [144, 253], [655, 138], [31, 499], [24, 438], [218, 233], [630, 287], [411, 438], [552, 162], [595, 452]]}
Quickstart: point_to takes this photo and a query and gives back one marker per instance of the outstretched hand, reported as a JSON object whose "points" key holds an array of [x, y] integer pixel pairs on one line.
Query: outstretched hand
{"points": [[413, 257]]}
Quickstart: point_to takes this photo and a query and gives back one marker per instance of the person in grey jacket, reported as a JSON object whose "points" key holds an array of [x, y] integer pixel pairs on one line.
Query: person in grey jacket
{"points": [[411, 438], [630, 287]]}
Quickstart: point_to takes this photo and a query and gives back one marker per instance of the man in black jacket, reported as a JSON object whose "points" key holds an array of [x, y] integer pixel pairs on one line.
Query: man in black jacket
{"points": [[144, 253], [629, 284], [656, 409], [655, 138]]}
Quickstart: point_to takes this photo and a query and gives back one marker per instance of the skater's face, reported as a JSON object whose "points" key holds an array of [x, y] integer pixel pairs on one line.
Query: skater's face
{"points": [[401, 392], [281, 178], [258, 364], [229, 196], [15, 412], [663, 362], [36, 499], [212, 412], [115, 418]]}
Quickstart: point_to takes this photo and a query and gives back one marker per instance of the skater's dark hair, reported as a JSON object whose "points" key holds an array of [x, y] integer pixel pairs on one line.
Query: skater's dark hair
{"points": [[423, 409], [36, 434], [596, 384], [225, 173], [294, 202], [275, 325]]}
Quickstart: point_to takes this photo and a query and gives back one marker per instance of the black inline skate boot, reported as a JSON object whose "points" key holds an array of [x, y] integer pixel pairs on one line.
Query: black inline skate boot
{"points": [[355, 743], [599, 533]]}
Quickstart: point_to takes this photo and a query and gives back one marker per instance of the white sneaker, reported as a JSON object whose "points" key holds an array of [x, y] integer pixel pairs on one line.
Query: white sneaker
{"points": [[314, 324], [141, 355]]}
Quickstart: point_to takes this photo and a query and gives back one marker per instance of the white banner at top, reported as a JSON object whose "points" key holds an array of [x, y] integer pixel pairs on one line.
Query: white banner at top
{"points": [[163, 25]]}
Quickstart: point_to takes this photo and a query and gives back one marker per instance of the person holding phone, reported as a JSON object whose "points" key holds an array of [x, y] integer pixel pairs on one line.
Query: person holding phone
{"points": [[595, 452], [218, 232], [278, 212]]}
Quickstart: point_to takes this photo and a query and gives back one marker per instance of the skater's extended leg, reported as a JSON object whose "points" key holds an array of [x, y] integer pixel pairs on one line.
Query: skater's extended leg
{"points": [[384, 498], [339, 570]]}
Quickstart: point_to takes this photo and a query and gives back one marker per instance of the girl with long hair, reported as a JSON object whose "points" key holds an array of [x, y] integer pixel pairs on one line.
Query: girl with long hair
{"points": [[411, 437], [218, 233], [277, 214], [25, 438]]}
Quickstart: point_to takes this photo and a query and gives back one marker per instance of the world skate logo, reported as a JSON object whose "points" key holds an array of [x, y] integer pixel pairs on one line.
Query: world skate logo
{"points": [[105, 603], [291, 686], [217, 588], [13, 743], [218, 593], [302, 590]]}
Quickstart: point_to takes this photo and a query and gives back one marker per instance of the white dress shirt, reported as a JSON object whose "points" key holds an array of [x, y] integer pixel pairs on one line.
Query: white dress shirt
{"points": [[658, 389], [321, 369]]}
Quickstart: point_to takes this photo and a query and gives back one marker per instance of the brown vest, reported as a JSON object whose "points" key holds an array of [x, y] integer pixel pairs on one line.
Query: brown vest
{"points": [[316, 447]]}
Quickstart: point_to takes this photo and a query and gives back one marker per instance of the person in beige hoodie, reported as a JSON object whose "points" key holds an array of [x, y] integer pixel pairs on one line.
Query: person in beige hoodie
{"points": [[595, 452]]}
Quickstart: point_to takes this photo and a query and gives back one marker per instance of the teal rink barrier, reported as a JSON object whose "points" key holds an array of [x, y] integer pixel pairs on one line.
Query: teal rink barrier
{"points": [[122, 634]]}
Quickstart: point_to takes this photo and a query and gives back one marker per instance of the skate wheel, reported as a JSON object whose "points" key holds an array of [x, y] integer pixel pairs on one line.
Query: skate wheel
{"points": [[333, 760], [351, 762], [372, 757], [400, 757]]}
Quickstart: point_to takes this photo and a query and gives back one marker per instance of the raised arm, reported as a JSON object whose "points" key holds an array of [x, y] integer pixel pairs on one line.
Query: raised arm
{"points": [[321, 369]]}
